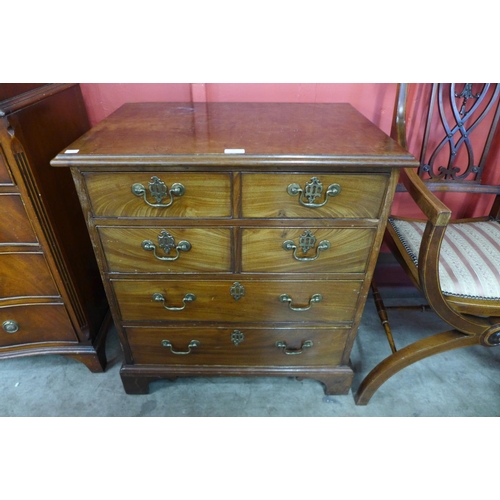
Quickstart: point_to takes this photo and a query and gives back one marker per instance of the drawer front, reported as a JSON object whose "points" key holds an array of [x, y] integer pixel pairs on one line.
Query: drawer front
{"points": [[34, 323], [302, 250], [267, 195], [237, 346], [261, 301], [15, 226], [25, 275], [205, 194], [5, 177], [144, 249]]}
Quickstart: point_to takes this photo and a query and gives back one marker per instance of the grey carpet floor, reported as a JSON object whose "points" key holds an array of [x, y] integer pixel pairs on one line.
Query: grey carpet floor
{"points": [[461, 383]]}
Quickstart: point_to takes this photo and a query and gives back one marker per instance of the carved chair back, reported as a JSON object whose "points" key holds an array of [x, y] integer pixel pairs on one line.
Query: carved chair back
{"points": [[454, 132]]}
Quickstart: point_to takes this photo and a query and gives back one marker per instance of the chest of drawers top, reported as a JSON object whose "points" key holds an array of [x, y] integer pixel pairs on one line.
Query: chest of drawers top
{"points": [[228, 135]]}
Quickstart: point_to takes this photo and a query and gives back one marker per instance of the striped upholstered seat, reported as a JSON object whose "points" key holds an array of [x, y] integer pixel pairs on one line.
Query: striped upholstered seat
{"points": [[469, 264]]}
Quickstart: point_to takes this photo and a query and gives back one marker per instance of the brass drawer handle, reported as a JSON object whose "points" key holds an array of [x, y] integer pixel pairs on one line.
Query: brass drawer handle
{"points": [[166, 242], [306, 241], [10, 326], [313, 189], [313, 300], [189, 297], [281, 344], [191, 345], [158, 190]]}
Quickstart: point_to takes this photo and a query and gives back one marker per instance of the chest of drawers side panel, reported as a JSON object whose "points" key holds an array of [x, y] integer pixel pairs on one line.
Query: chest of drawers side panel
{"points": [[79, 180], [386, 204]]}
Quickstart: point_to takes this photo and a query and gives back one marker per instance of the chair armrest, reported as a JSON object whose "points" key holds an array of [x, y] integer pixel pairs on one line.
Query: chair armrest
{"points": [[438, 216], [434, 209]]}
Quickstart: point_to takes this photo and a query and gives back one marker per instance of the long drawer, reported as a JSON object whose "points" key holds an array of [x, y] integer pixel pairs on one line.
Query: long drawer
{"points": [[302, 250], [244, 301], [25, 275], [14, 228], [132, 194], [35, 323], [170, 250], [237, 346], [287, 195]]}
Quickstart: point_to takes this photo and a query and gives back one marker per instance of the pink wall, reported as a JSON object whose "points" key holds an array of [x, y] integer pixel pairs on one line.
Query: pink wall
{"points": [[101, 99], [374, 100], [463, 205]]}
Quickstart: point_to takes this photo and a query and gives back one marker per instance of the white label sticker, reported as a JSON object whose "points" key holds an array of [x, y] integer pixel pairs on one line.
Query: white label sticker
{"points": [[234, 151], [71, 151]]}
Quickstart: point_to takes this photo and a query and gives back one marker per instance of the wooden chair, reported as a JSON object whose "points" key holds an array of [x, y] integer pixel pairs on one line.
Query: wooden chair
{"points": [[455, 263]]}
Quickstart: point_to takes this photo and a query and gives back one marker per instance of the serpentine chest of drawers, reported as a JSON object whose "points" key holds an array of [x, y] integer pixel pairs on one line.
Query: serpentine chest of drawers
{"points": [[236, 238], [51, 296]]}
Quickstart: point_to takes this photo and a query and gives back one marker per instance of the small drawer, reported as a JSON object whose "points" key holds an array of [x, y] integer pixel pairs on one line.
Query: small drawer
{"points": [[5, 175], [299, 250], [238, 346], [287, 195], [15, 227], [169, 250], [35, 323], [322, 301], [175, 194], [25, 275]]}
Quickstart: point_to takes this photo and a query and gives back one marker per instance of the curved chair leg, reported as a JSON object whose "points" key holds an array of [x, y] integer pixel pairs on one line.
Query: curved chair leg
{"points": [[421, 349]]}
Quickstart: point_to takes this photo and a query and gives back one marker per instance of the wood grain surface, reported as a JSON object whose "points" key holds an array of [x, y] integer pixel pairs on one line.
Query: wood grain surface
{"points": [[261, 302]]}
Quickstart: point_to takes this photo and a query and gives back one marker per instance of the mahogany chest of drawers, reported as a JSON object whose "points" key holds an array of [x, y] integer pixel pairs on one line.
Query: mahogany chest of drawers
{"points": [[52, 300], [236, 238]]}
